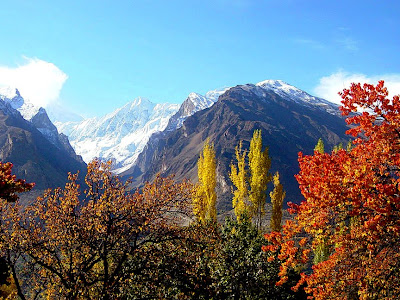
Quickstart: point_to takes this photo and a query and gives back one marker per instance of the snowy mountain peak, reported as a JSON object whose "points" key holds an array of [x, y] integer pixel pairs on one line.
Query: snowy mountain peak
{"points": [[194, 103], [8, 92], [199, 101], [292, 93], [13, 97], [279, 87], [35, 115], [214, 94], [202, 102], [140, 101], [120, 135], [273, 82]]}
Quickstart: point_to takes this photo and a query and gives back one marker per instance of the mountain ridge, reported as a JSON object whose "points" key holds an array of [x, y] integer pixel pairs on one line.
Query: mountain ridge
{"points": [[33, 145], [287, 126]]}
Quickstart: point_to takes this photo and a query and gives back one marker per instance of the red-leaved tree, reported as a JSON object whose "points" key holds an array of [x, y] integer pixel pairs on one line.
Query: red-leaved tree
{"points": [[10, 186], [351, 206]]}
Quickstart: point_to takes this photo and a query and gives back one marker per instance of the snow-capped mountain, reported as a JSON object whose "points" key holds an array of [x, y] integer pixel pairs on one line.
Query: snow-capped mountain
{"points": [[13, 97], [35, 115], [290, 92], [290, 121], [194, 103], [123, 134], [31, 142], [120, 135]]}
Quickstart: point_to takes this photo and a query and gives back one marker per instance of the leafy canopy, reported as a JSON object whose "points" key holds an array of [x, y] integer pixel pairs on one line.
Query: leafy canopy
{"points": [[351, 203]]}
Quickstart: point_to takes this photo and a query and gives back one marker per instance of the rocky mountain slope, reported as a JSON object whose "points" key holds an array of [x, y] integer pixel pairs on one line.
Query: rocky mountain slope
{"points": [[122, 135], [31, 142], [290, 119]]}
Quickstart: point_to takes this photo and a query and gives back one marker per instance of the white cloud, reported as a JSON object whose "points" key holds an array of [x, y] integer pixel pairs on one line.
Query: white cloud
{"points": [[309, 42], [37, 80], [329, 86]]}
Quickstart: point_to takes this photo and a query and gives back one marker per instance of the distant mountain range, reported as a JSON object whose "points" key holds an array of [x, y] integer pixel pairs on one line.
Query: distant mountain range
{"points": [[122, 135], [143, 138]]}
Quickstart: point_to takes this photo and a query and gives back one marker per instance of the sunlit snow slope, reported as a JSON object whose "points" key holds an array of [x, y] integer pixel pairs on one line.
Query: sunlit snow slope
{"points": [[121, 135]]}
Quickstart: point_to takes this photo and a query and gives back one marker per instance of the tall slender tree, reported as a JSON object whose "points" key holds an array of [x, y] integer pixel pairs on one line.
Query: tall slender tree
{"points": [[320, 147], [238, 175], [321, 249], [204, 203], [259, 165], [277, 196]]}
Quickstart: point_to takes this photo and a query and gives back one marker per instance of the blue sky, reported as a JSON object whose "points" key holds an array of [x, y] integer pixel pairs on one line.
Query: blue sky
{"points": [[94, 56]]}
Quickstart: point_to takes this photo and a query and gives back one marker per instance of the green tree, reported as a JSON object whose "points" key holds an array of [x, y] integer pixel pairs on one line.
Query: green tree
{"points": [[179, 268], [259, 165], [240, 268], [204, 203], [238, 175], [277, 196]]}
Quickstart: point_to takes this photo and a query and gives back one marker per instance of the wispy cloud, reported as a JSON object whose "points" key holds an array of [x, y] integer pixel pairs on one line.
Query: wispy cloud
{"points": [[344, 40], [329, 86], [309, 43], [37, 80], [348, 43]]}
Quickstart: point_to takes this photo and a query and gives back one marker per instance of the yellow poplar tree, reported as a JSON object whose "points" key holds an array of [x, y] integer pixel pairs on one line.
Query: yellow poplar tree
{"points": [[259, 165], [277, 196], [321, 250], [204, 203], [320, 147], [238, 175]]}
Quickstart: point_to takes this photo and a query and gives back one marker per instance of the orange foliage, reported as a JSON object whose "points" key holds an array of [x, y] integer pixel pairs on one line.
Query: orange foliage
{"points": [[351, 202], [74, 248]]}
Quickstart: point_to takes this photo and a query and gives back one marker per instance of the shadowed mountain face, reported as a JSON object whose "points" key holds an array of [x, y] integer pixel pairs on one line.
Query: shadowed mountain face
{"points": [[34, 156], [287, 127]]}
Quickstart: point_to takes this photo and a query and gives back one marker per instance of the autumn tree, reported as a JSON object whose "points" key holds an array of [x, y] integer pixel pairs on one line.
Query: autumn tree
{"points": [[277, 197], [251, 180], [321, 249], [238, 175], [352, 202], [83, 248], [320, 147], [338, 147], [204, 203], [259, 165], [180, 268], [10, 186]]}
